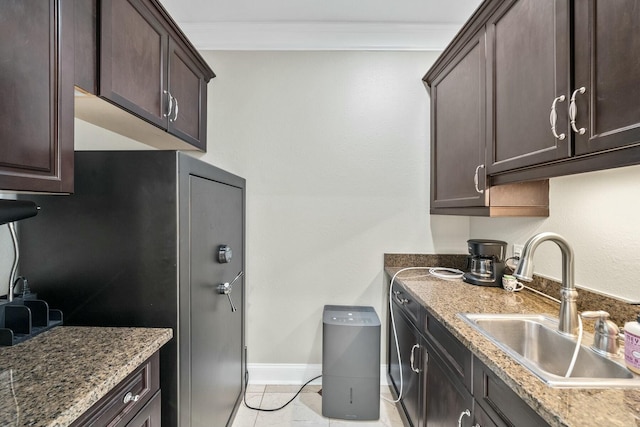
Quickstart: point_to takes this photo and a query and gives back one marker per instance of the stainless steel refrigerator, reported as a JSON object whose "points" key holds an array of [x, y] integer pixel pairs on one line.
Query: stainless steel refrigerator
{"points": [[150, 238]]}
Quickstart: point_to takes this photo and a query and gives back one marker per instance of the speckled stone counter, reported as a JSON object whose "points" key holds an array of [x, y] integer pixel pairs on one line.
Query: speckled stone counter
{"points": [[559, 407], [53, 378]]}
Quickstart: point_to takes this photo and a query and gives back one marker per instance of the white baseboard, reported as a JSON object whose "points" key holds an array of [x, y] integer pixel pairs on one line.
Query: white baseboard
{"points": [[292, 373]]}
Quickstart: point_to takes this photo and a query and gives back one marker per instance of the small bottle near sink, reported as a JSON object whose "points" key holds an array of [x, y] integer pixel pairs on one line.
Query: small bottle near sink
{"points": [[632, 345]]}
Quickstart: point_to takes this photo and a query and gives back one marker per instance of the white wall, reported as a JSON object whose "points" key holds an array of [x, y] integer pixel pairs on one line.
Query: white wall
{"points": [[334, 149], [597, 213]]}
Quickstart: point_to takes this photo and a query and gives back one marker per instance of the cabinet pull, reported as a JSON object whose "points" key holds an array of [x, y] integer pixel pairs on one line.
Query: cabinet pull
{"points": [[412, 358], [573, 110], [130, 397], [170, 99], [175, 115], [553, 118], [476, 179], [401, 301], [464, 413]]}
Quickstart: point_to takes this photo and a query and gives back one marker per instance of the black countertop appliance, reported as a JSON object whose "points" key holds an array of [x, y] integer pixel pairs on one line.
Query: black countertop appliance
{"points": [[485, 262]]}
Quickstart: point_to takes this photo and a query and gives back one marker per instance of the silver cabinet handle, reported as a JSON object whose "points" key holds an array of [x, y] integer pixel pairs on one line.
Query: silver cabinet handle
{"points": [[573, 110], [464, 413], [412, 358], [170, 109], [553, 118], [226, 288], [401, 301], [130, 397], [476, 179], [175, 115]]}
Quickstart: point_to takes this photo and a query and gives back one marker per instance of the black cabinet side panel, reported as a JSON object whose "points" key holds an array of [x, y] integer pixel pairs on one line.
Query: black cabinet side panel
{"points": [[118, 253]]}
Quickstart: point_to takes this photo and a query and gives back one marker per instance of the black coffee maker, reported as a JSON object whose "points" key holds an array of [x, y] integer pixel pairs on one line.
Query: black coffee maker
{"points": [[485, 263]]}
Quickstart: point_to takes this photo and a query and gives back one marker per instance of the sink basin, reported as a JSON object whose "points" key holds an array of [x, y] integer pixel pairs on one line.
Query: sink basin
{"points": [[533, 341]]}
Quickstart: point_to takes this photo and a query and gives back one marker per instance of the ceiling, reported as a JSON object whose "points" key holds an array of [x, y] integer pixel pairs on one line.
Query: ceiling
{"points": [[321, 24]]}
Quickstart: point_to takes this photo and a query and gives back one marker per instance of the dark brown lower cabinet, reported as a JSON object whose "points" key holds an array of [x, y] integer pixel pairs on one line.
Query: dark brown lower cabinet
{"points": [[134, 402], [443, 383], [409, 342], [446, 399], [149, 416], [503, 405], [481, 418]]}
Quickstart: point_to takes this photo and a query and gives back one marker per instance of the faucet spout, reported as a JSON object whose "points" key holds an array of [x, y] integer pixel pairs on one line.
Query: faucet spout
{"points": [[568, 307]]}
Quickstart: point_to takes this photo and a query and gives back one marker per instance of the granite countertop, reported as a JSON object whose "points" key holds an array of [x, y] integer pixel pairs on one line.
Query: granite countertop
{"points": [[559, 407], [53, 378]]}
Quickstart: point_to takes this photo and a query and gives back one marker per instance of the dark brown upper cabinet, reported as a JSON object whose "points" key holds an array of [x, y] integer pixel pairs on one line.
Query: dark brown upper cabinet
{"points": [[459, 107], [527, 82], [458, 129], [597, 99], [606, 46], [36, 83], [188, 89], [147, 70], [133, 59], [561, 97]]}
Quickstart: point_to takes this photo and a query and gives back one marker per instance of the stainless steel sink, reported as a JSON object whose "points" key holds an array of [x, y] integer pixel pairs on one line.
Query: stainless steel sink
{"points": [[533, 341]]}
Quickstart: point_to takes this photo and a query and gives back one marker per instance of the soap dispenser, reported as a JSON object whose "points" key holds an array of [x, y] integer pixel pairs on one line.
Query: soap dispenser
{"points": [[605, 334]]}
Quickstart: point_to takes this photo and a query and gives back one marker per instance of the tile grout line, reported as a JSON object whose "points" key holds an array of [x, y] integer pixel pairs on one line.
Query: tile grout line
{"points": [[255, 421]]}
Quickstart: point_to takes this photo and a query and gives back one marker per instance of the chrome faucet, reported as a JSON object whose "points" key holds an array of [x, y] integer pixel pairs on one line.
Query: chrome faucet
{"points": [[568, 324]]}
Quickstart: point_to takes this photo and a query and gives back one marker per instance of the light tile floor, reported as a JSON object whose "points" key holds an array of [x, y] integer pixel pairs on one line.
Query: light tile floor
{"points": [[304, 411]]}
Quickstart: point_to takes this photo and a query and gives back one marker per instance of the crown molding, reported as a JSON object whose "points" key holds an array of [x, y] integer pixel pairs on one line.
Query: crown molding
{"points": [[319, 36]]}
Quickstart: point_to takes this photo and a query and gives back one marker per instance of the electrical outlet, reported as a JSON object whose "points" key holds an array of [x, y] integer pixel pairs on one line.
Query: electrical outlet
{"points": [[517, 250]]}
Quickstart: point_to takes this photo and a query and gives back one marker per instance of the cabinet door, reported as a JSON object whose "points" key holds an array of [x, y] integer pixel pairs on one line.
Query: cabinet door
{"points": [[458, 130], [36, 83], [133, 59], [607, 66], [86, 45], [481, 418], [458, 357], [528, 73], [215, 320], [501, 403], [446, 399], [188, 91], [409, 343]]}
